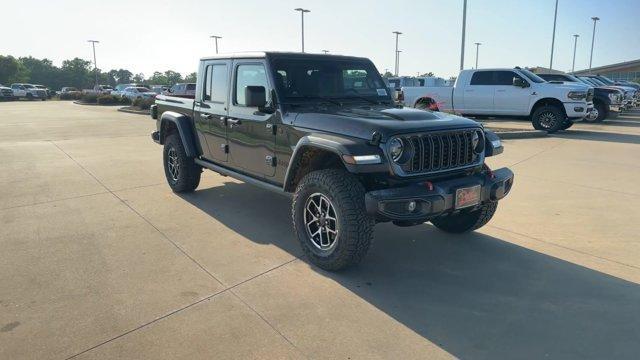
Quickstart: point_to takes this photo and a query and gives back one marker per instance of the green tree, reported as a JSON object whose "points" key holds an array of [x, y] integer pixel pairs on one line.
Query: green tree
{"points": [[11, 70], [77, 73], [123, 76], [387, 74], [158, 78], [191, 78], [172, 77], [42, 72], [138, 78]]}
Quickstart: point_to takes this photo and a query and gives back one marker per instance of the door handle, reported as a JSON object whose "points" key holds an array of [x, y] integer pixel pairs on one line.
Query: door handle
{"points": [[233, 122], [206, 116]]}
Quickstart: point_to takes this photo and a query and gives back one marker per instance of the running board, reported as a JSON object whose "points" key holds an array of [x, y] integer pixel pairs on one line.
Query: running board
{"points": [[238, 176]]}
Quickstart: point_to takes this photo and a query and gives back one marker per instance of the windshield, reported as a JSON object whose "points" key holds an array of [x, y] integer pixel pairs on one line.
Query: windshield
{"points": [[605, 80], [531, 76], [597, 81], [28, 86], [142, 89], [328, 78]]}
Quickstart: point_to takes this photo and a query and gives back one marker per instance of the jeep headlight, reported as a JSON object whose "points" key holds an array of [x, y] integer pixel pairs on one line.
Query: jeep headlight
{"points": [[396, 148], [615, 98], [577, 95]]}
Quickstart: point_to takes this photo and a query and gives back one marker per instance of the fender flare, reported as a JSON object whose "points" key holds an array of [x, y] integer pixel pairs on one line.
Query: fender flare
{"points": [[337, 145], [185, 130]]}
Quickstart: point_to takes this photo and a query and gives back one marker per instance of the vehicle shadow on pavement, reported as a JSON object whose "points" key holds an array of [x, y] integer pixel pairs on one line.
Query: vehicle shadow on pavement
{"points": [[474, 295], [598, 136]]}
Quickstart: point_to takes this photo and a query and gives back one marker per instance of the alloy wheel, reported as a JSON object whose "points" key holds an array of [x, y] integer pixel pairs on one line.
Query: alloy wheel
{"points": [[548, 119], [173, 164], [321, 221]]}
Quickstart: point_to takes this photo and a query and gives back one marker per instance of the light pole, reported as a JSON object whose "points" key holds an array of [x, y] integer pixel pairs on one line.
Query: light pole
{"points": [[575, 45], [398, 33], [553, 37], [325, 51], [477, 50], [302, 11], [215, 38], [95, 64], [593, 38], [464, 29]]}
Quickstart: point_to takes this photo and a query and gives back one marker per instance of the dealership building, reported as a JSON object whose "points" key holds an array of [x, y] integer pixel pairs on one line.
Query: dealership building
{"points": [[628, 70]]}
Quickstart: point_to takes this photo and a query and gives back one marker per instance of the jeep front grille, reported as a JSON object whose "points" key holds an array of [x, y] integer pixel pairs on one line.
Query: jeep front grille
{"points": [[434, 152]]}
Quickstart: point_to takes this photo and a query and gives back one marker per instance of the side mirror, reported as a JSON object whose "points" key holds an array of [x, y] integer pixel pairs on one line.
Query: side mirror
{"points": [[520, 82], [255, 96]]}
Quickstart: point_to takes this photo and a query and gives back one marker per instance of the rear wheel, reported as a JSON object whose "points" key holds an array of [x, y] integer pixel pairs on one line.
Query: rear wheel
{"points": [[330, 220], [182, 173], [548, 118], [601, 111], [466, 220]]}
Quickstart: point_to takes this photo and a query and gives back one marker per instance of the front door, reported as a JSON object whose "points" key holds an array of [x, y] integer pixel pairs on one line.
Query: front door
{"points": [[478, 95], [510, 99], [211, 110], [250, 132]]}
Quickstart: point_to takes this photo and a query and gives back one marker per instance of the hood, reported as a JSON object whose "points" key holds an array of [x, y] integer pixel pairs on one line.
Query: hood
{"points": [[569, 86], [361, 122]]}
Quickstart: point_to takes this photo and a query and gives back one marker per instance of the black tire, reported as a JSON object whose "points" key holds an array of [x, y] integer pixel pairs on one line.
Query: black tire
{"points": [[466, 220], [567, 124], [354, 227], [426, 104], [548, 118], [187, 176], [603, 112]]}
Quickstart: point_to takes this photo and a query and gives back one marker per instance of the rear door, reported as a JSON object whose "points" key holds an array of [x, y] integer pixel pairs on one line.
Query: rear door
{"points": [[510, 99], [211, 108], [250, 132], [478, 95]]}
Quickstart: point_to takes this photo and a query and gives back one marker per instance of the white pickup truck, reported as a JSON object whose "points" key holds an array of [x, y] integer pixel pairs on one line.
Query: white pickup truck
{"points": [[506, 92]]}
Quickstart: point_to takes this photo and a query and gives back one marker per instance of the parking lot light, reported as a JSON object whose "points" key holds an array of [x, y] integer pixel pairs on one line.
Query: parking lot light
{"points": [[95, 65], [302, 11], [477, 51], [398, 33], [464, 29], [593, 37], [215, 38], [575, 44], [553, 36]]}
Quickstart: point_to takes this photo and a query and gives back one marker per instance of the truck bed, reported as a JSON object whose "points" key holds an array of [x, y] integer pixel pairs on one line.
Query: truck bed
{"points": [[174, 103]]}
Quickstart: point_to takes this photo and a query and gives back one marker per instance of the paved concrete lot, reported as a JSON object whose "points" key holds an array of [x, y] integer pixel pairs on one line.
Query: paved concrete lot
{"points": [[99, 259]]}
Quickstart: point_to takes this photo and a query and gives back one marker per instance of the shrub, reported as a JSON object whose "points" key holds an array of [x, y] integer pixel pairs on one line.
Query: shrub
{"points": [[74, 95], [124, 100], [108, 100], [89, 98], [144, 104]]}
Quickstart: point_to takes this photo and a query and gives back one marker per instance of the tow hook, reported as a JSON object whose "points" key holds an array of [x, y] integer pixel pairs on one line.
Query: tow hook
{"points": [[488, 171]]}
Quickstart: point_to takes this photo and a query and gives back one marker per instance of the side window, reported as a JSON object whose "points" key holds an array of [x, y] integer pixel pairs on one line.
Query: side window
{"points": [[482, 78], [249, 75], [505, 77], [207, 83], [219, 84]]}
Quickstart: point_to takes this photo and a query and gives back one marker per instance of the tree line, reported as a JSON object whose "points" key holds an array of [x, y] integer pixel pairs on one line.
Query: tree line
{"points": [[77, 73]]}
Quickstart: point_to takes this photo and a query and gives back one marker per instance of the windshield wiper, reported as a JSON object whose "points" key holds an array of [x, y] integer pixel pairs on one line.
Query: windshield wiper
{"points": [[321, 98]]}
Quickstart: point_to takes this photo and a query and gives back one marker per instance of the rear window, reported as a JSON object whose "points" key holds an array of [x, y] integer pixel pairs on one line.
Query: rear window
{"points": [[482, 78]]}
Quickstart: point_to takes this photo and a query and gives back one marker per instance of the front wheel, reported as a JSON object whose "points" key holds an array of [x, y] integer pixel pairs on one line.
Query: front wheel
{"points": [[548, 118], [601, 112], [330, 220], [182, 173], [466, 220]]}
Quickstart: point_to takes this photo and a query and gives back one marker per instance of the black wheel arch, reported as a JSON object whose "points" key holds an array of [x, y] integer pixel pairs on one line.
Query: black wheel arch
{"points": [[172, 121], [548, 102], [322, 151]]}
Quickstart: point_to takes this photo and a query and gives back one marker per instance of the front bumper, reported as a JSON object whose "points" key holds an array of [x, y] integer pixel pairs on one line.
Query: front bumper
{"points": [[577, 110], [434, 199]]}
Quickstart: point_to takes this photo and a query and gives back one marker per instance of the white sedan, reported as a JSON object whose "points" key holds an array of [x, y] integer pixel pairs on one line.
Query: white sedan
{"points": [[138, 92]]}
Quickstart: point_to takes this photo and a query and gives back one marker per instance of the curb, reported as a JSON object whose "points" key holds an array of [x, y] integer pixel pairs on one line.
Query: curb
{"points": [[131, 111], [91, 104], [532, 134]]}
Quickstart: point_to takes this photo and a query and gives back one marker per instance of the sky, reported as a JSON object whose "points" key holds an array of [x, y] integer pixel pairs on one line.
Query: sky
{"points": [[157, 35]]}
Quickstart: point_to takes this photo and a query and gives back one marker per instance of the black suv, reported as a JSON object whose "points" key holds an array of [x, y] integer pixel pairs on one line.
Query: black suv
{"points": [[325, 129]]}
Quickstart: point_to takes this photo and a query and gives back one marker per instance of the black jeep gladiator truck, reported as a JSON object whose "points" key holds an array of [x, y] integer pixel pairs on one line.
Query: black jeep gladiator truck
{"points": [[325, 129]]}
